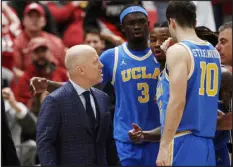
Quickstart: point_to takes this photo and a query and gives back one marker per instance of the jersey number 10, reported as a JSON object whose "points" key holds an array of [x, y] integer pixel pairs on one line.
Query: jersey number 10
{"points": [[208, 77]]}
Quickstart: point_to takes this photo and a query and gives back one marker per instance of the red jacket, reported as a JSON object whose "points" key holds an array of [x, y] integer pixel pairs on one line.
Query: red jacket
{"points": [[22, 57], [22, 90], [73, 35], [8, 51]]}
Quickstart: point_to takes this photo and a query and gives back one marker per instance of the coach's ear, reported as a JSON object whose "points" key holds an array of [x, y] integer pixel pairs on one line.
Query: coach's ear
{"points": [[195, 23]]}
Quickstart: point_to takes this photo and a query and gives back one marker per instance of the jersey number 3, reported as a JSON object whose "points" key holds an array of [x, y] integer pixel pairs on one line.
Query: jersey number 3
{"points": [[209, 78], [144, 88]]}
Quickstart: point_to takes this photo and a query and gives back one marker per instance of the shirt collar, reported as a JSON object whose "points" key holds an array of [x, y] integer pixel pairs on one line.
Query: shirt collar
{"points": [[78, 88]]}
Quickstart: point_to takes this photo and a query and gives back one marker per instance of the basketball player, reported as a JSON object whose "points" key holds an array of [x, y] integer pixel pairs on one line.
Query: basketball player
{"points": [[158, 35], [224, 122], [133, 71], [187, 92]]}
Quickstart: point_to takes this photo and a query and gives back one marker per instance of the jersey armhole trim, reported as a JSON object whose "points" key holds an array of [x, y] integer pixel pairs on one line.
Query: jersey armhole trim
{"points": [[115, 65], [192, 60]]}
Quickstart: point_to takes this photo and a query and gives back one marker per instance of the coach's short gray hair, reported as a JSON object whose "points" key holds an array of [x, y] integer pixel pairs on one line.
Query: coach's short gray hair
{"points": [[225, 26]]}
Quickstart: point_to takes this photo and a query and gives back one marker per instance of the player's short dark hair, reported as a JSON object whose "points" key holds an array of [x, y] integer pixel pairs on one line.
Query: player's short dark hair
{"points": [[183, 12], [225, 26], [162, 24], [206, 34], [127, 6]]}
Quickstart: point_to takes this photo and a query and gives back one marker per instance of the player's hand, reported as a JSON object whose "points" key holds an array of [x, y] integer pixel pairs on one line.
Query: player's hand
{"points": [[224, 121], [163, 158], [166, 44], [38, 85], [136, 134]]}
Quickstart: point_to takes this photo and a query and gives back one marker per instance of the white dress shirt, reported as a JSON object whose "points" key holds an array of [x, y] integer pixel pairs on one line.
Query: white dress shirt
{"points": [[80, 92]]}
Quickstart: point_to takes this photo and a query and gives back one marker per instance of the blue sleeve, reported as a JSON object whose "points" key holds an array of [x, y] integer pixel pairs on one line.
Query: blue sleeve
{"points": [[107, 59]]}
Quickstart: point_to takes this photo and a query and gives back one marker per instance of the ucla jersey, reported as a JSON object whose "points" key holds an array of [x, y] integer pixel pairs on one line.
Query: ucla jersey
{"points": [[134, 78], [200, 112]]}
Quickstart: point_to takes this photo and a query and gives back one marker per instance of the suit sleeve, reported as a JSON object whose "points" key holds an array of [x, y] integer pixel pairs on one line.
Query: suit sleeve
{"points": [[111, 151], [47, 129]]}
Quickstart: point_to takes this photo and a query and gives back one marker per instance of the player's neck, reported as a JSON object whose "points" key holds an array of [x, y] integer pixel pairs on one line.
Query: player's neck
{"points": [[138, 45], [187, 34]]}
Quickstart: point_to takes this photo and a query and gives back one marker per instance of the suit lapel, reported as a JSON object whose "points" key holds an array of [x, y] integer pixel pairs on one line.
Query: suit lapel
{"points": [[78, 107]]}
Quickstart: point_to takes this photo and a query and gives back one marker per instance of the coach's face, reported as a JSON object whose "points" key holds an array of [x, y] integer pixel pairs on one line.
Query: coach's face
{"points": [[136, 26], [92, 69], [224, 46]]}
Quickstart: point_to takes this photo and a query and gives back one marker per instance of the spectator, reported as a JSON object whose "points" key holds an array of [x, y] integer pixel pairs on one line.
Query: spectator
{"points": [[41, 65], [161, 7], [22, 125], [222, 11], [205, 15], [19, 6], [93, 38], [7, 45], [33, 22], [69, 19], [10, 29]]}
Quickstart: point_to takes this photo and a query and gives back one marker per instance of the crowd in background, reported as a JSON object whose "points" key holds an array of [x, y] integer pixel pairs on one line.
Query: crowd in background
{"points": [[35, 37]]}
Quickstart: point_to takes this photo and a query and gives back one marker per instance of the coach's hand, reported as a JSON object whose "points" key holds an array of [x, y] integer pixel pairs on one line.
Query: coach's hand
{"points": [[163, 158], [136, 134], [38, 85]]}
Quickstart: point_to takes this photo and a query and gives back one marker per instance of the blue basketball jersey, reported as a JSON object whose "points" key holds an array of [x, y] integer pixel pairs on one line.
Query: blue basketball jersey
{"points": [[134, 75], [200, 112]]}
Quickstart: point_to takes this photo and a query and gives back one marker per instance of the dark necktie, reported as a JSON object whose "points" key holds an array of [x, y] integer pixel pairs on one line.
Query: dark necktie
{"points": [[89, 108]]}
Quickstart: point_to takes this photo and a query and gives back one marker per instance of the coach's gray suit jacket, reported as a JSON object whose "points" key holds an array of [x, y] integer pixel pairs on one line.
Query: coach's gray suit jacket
{"points": [[64, 133]]}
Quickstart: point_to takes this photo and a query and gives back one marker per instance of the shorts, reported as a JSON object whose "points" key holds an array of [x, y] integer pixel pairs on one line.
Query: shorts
{"points": [[189, 150], [144, 154]]}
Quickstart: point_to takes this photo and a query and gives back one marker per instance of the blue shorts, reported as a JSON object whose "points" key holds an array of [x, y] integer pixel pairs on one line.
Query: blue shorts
{"points": [[222, 156], [144, 154], [190, 150]]}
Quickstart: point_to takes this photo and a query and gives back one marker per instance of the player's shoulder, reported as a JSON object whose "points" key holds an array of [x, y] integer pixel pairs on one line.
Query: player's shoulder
{"points": [[109, 52], [177, 51]]}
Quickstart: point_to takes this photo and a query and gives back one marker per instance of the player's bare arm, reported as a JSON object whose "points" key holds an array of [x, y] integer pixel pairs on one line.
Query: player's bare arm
{"points": [[39, 85], [178, 60], [153, 135], [137, 135], [226, 88], [224, 121]]}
